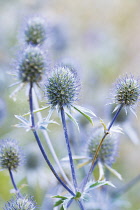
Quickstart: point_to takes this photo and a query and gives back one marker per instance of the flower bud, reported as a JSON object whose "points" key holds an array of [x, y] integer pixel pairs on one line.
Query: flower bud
{"points": [[127, 91], [35, 31], [109, 148], [11, 156], [32, 65], [21, 203], [62, 87]]}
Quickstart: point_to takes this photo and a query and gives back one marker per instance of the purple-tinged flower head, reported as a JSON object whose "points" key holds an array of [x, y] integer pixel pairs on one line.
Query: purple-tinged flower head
{"points": [[35, 31], [32, 65], [109, 149], [127, 91], [21, 203], [62, 87], [11, 155]]}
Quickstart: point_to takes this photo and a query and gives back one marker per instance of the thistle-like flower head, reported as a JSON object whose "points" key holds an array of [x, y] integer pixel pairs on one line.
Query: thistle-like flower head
{"points": [[62, 87], [127, 91], [109, 149], [32, 65], [35, 31], [11, 155], [21, 203]]}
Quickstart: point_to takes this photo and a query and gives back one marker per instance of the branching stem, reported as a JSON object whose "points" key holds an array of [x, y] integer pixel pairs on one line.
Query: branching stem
{"points": [[40, 144], [99, 147]]}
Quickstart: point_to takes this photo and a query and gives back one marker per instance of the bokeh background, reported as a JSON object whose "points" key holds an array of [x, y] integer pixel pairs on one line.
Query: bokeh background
{"points": [[101, 38]]}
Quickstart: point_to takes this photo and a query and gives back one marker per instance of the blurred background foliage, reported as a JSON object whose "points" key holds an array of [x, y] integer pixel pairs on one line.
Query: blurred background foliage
{"points": [[102, 40]]}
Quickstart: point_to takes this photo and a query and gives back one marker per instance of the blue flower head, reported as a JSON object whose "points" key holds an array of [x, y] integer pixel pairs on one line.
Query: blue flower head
{"points": [[21, 203], [32, 65], [62, 87], [11, 155], [35, 31], [127, 91], [109, 149]]}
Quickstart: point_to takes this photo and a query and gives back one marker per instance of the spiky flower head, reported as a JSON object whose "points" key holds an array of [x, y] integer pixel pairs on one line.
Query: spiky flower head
{"points": [[21, 203], [35, 31], [32, 65], [127, 91], [11, 155], [62, 87], [109, 149]]}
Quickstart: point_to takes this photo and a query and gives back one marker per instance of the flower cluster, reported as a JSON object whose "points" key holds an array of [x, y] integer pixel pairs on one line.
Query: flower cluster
{"points": [[109, 149], [32, 65], [35, 31], [127, 91], [62, 87], [11, 155], [21, 203]]}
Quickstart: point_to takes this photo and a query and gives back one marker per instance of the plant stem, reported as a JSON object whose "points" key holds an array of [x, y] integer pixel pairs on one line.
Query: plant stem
{"points": [[12, 179], [50, 146], [13, 182], [40, 144], [68, 148], [99, 147]]}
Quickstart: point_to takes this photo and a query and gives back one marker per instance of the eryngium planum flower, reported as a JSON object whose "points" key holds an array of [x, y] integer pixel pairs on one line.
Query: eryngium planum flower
{"points": [[21, 203], [109, 149], [32, 65], [62, 87], [11, 155], [127, 91], [35, 31]]}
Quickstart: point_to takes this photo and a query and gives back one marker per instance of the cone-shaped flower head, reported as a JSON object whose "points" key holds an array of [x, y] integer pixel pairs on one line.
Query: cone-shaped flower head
{"points": [[127, 91], [35, 31], [62, 87], [32, 65], [11, 155], [21, 203], [109, 149]]}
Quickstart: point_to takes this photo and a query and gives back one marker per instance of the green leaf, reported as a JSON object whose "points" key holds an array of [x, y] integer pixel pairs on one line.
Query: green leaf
{"points": [[62, 208], [83, 113], [37, 110], [72, 119], [59, 196], [85, 110], [57, 203], [99, 184]]}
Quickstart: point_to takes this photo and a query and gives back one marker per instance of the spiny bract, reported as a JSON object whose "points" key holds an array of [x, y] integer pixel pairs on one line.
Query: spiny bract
{"points": [[35, 31], [109, 148], [11, 156], [21, 203], [32, 65], [127, 91], [62, 87]]}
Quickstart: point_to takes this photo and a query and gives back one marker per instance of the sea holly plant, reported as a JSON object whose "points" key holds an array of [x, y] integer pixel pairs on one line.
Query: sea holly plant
{"points": [[60, 86]]}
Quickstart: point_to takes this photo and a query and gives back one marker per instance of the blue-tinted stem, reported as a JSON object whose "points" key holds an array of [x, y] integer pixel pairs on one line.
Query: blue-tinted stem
{"points": [[81, 205], [115, 116], [99, 147], [40, 144], [12, 179], [68, 148], [13, 182]]}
